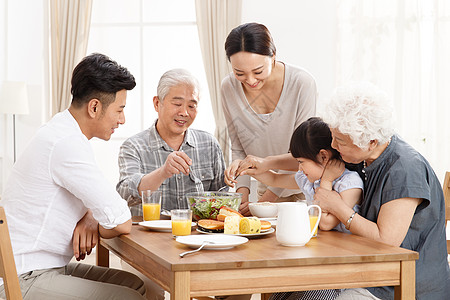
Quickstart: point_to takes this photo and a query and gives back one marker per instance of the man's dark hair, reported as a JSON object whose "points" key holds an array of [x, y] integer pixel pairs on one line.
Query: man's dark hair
{"points": [[97, 76]]}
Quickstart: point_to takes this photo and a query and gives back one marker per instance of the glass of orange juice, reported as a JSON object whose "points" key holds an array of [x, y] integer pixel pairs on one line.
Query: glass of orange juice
{"points": [[181, 221], [313, 217], [151, 205]]}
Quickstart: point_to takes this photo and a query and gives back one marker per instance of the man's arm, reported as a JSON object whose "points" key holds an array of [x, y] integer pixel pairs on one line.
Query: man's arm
{"points": [[88, 184], [123, 228], [132, 181]]}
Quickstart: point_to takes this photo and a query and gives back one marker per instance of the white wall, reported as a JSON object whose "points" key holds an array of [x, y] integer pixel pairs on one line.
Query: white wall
{"points": [[23, 57], [2, 76], [303, 32]]}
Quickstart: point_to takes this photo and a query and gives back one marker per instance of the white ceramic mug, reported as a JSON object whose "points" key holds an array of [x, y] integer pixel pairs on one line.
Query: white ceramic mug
{"points": [[293, 226]]}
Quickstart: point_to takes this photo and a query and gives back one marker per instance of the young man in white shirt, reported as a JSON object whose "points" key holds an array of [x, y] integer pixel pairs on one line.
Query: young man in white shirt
{"points": [[57, 201]]}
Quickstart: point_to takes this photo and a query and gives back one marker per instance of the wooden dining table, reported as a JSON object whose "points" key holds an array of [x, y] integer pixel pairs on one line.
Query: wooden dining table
{"points": [[332, 260]]}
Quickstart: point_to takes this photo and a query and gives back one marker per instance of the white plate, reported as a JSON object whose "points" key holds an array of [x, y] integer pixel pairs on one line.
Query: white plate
{"points": [[253, 235], [159, 225], [218, 241], [272, 221]]}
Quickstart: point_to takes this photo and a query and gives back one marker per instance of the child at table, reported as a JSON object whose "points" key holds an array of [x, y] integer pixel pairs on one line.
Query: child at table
{"points": [[319, 165]]}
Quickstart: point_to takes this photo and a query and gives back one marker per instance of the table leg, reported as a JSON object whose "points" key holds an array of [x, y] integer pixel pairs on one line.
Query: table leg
{"points": [[407, 288], [181, 288], [265, 296], [102, 256]]}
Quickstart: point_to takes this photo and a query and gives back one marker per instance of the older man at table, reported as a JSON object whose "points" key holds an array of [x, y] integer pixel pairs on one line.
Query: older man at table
{"points": [[169, 155], [55, 189]]}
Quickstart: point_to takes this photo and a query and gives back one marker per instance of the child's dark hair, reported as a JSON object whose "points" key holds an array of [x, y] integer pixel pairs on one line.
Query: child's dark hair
{"points": [[310, 137]]}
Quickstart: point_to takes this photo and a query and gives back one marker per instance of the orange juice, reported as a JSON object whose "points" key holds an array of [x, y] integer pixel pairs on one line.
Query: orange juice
{"points": [[181, 227], [151, 211], [312, 223]]}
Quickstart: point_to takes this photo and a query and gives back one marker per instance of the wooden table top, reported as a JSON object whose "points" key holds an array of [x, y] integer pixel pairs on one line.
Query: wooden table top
{"points": [[327, 248]]}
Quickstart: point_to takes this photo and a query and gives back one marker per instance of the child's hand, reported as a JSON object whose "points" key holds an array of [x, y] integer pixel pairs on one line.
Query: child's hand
{"points": [[252, 165], [333, 170]]}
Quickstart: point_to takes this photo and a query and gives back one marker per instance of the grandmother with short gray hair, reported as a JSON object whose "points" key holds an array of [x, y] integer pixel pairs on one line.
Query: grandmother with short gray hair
{"points": [[403, 203]]}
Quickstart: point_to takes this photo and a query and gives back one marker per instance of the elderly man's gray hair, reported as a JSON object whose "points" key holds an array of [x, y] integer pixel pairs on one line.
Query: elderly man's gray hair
{"points": [[173, 78]]}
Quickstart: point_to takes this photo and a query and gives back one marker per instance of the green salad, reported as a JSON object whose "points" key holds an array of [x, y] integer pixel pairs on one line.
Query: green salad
{"points": [[207, 206]]}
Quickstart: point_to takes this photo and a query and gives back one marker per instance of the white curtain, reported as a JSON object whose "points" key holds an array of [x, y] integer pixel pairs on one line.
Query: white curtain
{"points": [[70, 22], [215, 19], [403, 47]]}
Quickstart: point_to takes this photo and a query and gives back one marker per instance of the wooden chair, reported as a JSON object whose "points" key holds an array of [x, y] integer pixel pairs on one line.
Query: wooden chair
{"points": [[7, 266], [446, 188]]}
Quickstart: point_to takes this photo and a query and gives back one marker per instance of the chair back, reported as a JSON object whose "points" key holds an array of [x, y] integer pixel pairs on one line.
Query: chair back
{"points": [[446, 188], [7, 265]]}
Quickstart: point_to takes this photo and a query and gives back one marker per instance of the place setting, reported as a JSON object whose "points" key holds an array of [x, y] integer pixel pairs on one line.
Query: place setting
{"points": [[212, 216], [217, 214], [180, 222]]}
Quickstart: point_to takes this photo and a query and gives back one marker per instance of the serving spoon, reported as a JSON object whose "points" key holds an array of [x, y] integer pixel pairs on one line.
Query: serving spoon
{"points": [[222, 188]]}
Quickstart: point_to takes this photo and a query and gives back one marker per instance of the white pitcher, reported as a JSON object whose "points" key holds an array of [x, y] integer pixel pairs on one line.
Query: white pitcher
{"points": [[293, 226]]}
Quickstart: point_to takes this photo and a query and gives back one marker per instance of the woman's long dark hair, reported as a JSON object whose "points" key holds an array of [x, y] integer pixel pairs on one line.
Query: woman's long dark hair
{"points": [[250, 37], [310, 137]]}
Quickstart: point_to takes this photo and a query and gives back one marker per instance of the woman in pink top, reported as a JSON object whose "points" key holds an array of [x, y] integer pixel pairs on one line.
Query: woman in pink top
{"points": [[264, 100]]}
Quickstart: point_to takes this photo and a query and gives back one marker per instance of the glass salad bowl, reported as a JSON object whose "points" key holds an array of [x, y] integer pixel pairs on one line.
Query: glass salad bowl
{"points": [[206, 205]]}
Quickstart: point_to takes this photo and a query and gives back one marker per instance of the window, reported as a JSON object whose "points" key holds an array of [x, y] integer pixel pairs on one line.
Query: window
{"points": [[148, 37]]}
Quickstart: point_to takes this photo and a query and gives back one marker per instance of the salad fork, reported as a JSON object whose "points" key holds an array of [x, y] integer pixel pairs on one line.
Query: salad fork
{"points": [[198, 183], [196, 250]]}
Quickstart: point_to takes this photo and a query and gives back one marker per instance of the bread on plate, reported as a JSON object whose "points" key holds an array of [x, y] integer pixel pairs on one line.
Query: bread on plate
{"points": [[265, 225], [232, 225], [226, 211], [209, 225], [249, 225]]}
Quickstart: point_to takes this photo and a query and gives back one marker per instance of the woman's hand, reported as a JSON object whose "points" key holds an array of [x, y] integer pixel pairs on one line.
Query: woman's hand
{"points": [[328, 200], [333, 170], [230, 173], [243, 208]]}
